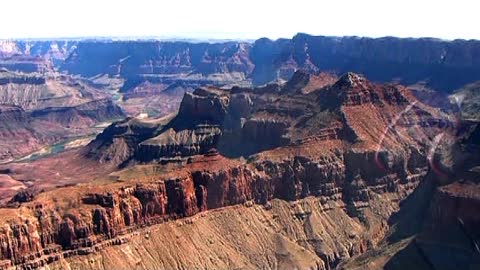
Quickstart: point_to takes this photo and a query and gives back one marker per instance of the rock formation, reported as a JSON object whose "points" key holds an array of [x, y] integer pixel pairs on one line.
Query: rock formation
{"points": [[318, 172], [166, 62], [353, 147], [466, 100], [39, 110], [25, 63]]}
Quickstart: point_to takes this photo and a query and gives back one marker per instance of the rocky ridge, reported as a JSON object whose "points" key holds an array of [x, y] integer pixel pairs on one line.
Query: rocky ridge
{"points": [[40, 109], [380, 59], [24, 132], [358, 147]]}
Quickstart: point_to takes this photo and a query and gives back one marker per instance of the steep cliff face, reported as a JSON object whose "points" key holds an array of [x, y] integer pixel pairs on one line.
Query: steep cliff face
{"points": [[83, 115], [24, 132], [50, 49], [208, 106], [172, 144], [381, 59], [231, 238], [46, 109], [410, 60], [20, 134], [456, 204], [131, 59], [34, 91], [7, 77], [451, 224], [352, 109], [359, 157], [304, 174], [31, 56], [436, 227], [115, 212], [25, 63], [466, 100], [117, 143]]}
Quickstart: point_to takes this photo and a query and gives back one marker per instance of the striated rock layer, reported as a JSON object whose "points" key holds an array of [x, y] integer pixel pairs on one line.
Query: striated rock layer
{"points": [[282, 236], [343, 154], [38, 110], [437, 225], [24, 132], [41, 230], [410, 60], [260, 62]]}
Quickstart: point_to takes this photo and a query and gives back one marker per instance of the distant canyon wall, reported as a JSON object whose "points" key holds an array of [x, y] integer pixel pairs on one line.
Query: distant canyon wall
{"points": [[443, 65]]}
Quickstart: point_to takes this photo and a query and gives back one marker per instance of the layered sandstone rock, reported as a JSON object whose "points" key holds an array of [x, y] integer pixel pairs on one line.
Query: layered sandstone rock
{"points": [[35, 91], [352, 109], [436, 226], [260, 62], [113, 213], [118, 142], [328, 161], [185, 143], [7, 77], [49, 49], [46, 109], [360, 158], [20, 134], [379, 59], [25, 63], [24, 132]]}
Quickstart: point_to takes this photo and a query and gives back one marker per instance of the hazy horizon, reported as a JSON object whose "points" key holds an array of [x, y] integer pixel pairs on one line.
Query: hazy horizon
{"points": [[199, 39], [246, 20]]}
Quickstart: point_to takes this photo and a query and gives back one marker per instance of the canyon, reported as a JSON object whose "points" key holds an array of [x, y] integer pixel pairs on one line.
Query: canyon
{"points": [[302, 153], [324, 171], [382, 59], [148, 74], [38, 110]]}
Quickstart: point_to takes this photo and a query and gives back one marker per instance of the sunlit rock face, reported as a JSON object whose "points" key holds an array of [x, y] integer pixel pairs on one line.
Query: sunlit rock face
{"points": [[346, 150], [304, 174]]}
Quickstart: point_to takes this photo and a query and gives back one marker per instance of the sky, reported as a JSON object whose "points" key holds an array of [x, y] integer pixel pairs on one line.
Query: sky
{"points": [[240, 19]]}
